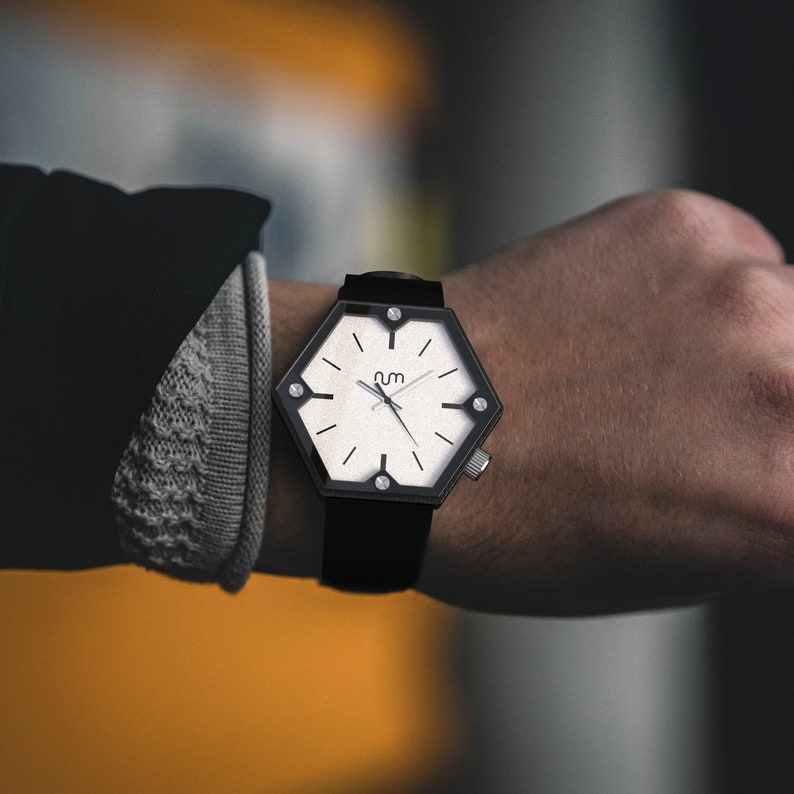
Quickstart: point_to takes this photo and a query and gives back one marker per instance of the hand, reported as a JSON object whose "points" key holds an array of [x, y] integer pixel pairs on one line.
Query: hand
{"points": [[645, 356]]}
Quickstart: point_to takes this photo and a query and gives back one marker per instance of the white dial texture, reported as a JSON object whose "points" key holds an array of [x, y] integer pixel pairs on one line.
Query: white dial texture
{"points": [[387, 398]]}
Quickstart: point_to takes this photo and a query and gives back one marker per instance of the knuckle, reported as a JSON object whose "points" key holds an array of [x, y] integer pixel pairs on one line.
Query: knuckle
{"points": [[750, 296], [689, 221]]}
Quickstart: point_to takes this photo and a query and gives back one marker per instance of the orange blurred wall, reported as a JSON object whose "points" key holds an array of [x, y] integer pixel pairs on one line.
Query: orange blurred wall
{"points": [[122, 680]]}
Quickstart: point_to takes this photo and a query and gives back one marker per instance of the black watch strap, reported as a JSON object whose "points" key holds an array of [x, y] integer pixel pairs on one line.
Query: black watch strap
{"points": [[386, 286], [378, 546], [374, 547]]}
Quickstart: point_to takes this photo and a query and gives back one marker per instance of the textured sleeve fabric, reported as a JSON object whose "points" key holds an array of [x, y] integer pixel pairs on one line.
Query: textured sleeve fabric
{"points": [[98, 289], [191, 486]]}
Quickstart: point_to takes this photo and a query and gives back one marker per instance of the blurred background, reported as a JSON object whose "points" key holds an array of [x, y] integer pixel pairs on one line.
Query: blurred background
{"points": [[413, 136]]}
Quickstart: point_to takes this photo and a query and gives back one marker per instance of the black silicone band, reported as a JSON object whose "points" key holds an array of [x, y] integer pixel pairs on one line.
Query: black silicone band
{"points": [[377, 546], [374, 547], [396, 288]]}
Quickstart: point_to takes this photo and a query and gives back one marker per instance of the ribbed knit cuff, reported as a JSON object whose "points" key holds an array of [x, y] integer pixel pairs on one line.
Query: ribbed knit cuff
{"points": [[191, 487]]}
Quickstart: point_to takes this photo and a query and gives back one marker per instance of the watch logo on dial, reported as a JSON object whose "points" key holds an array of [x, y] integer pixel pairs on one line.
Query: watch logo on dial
{"points": [[392, 377]]}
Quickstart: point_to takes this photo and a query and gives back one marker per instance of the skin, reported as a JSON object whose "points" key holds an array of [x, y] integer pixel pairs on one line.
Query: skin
{"points": [[645, 356]]}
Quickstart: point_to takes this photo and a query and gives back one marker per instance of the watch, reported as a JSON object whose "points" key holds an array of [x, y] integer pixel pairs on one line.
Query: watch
{"points": [[388, 405]]}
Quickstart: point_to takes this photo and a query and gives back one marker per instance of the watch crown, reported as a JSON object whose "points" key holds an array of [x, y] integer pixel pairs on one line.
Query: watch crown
{"points": [[477, 464]]}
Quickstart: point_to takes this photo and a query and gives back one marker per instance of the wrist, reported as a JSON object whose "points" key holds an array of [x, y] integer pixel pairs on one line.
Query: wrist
{"points": [[292, 542]]}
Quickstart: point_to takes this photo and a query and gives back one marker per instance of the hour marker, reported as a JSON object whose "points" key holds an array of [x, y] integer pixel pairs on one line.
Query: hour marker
{"points": [[444, 438], [358, 343], [425, 347], [320, 396], [332, 364], [331, 427], [421, 468], [348, 456], [451, 405], [391, 340], [441, 376], [383, 463]]}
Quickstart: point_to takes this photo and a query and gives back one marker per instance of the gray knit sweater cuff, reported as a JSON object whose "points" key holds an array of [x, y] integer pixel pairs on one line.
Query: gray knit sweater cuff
{"points": [[190, 489]]}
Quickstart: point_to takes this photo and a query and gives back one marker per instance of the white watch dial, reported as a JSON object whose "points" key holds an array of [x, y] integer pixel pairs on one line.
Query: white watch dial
{"points": [[387, 399]]}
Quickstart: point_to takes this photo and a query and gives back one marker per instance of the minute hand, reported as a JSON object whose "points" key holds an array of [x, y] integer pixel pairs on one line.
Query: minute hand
{"points": [[407, 387]]}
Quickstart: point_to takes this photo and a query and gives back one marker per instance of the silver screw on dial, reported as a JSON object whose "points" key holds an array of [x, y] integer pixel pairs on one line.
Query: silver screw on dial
{"points": [[382, 482], [295, 390], [479, 404], [393, 313]]}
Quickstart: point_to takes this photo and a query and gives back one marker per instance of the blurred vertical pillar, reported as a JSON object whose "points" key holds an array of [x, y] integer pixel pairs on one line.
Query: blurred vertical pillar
{"points": [[552, 108]]}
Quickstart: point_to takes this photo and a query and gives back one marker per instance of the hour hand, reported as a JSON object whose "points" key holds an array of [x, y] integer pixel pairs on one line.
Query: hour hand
{"points": [[379, 394]]}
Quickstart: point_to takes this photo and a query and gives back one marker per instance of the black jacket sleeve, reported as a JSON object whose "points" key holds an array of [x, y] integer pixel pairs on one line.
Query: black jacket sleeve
{"points": [[97, 290]]}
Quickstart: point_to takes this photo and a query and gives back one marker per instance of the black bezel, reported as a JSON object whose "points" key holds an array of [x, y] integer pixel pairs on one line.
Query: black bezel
{"points": [[483, 420]]}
